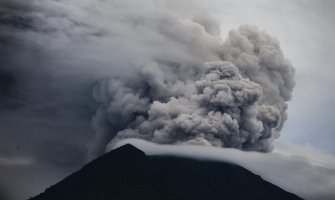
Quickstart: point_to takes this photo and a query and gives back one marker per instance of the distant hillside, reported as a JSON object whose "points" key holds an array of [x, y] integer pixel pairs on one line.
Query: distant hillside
{"points": [[127, 173]]}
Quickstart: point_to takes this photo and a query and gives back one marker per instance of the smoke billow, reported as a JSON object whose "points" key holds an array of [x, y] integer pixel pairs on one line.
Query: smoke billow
{"points": [[159, 70], [228, 93]]}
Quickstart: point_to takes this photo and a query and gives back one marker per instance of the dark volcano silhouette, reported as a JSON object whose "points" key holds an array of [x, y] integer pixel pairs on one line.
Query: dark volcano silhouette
{"points": [[127, 173]]}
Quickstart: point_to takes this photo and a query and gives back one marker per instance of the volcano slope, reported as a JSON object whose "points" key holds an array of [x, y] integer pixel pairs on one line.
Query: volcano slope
{"points": [[126, 173]]}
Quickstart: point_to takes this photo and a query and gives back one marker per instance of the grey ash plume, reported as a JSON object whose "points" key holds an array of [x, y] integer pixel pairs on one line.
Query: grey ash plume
{"points": [[159, 70]]}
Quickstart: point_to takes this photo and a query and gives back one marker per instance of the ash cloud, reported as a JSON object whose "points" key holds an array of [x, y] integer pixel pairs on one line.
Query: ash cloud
{"points": [[157, 72], [199, 89]]}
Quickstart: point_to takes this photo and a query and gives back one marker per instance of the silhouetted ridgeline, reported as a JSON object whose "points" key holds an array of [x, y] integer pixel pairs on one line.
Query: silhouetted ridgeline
{"points": [[127, 173]]}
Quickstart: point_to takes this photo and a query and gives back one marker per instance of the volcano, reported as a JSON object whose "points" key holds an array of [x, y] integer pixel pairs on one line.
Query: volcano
{"points": [[126, 173]]}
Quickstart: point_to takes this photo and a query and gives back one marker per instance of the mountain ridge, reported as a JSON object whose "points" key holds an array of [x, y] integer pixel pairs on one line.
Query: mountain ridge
{"points": [[126, 173]]}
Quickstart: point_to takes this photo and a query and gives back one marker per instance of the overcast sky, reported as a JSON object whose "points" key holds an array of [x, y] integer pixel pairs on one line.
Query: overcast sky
{"points": [[46, 132]]}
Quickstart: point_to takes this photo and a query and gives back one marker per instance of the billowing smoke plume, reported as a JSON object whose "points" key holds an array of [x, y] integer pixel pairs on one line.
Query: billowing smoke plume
{"points": [[160, 71], [236, 101]]}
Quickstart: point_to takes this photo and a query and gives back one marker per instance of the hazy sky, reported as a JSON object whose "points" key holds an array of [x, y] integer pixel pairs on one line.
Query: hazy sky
{"points": [[52, 57]]}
